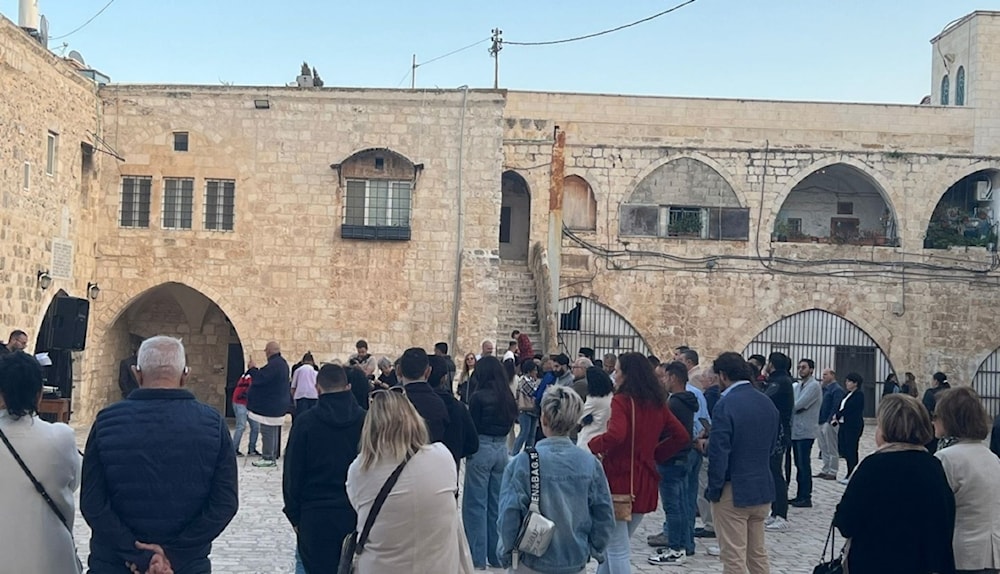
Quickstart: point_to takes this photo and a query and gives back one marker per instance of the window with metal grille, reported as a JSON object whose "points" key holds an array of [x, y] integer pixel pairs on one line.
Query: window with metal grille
{"points": [[721, 223], [377, 209], [135, 201], [178, 202], [220, 200], [52, 145], [180, 141]]}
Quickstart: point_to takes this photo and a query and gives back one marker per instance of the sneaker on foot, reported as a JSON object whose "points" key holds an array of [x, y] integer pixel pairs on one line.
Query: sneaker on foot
{"points": [[769, 520], [801, 503], [253, 453], [778, 525], [264, 463], [667, 556], [238, 453], [657, 540], [703, 533], [713, 551]]}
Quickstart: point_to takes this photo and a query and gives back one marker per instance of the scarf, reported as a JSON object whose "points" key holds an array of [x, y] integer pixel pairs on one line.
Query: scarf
{"points": [[899, 447]]}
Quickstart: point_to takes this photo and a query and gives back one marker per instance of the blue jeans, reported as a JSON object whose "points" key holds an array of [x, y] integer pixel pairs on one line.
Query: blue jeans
{"points": [[483, 473], [526, 437], [619, 547], [673, 494], [694, 463], [299, 568], [241, 424]]}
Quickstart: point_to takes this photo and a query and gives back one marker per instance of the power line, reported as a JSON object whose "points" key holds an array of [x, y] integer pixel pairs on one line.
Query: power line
{"points": [[603, 32], [82, 26], [441, 57]]}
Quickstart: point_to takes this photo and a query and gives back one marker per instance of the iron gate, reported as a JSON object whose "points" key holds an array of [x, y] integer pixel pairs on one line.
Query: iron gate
{"points": [[584, 322], [832, 342], [987, 383]]}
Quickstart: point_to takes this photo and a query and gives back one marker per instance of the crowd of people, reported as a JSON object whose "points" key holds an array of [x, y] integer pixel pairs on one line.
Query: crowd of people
{"points": [[587, 445]]}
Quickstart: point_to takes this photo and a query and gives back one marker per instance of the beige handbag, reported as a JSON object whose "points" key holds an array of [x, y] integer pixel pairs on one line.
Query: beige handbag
{"points": [[623, 502]]}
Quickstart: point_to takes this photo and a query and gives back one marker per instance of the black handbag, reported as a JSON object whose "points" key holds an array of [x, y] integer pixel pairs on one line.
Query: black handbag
{"points": [[45, 495], [353, 544], [836, 564]]}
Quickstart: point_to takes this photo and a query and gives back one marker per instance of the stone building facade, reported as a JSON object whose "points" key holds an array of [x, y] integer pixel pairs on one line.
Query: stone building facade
{"points": [[321, 216]]}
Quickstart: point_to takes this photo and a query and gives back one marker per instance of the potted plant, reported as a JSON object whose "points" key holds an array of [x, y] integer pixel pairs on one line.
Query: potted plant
{"points": [[687, 224], [781, 229]]}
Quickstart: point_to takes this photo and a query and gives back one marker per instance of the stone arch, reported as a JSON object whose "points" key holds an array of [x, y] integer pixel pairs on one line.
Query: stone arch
{"points": [[585, 322], [865, 216], [515, 216], [832, 341], [708, 162], [966, 213], [377, 163], [579, 204], [986, 382]]}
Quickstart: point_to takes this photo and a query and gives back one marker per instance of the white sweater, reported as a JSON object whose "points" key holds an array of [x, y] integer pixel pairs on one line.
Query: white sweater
{"points": [[600, 407], [974, 475]]}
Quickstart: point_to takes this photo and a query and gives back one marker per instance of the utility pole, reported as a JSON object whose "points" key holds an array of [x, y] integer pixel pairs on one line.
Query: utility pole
{"points": [[413, 74], [495, 52]]}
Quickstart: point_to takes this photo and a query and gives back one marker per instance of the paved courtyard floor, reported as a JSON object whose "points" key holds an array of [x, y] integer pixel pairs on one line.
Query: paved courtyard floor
{"points": [[260, 541]]}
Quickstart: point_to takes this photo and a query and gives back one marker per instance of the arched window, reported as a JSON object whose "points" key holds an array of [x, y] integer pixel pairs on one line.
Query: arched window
{"points": [[960, 87], [945, 85], [378, 203], [579, 205], [584, 322]]}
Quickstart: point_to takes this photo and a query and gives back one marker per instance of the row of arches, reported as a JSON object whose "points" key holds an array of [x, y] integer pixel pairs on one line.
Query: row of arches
{"points": [[837, 202], [831, 340]]}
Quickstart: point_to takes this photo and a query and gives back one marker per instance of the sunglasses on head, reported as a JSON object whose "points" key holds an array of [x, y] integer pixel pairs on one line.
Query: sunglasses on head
{"points": [[398, 390]]}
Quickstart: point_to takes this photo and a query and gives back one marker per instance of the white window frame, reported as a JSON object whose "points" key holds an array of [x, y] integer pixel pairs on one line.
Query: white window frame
{"points": [[371, 215], [51, 153], [218, 224], [178, 212]]}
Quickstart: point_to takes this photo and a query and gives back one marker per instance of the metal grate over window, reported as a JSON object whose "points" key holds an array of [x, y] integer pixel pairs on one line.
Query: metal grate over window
{"points": [[987, 383], [220, 204], [178, 203], [135, 201], [377, 209], [584, 322]]}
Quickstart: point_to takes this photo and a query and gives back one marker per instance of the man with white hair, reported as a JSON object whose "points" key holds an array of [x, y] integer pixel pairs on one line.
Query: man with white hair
{"points": [[168, 464]]}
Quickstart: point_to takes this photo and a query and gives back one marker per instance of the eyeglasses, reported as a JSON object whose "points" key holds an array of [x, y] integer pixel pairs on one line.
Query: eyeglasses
{"points": [[398, 390]]}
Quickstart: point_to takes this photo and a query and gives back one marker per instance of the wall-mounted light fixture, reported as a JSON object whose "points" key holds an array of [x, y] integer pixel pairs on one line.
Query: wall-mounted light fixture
{"points": [[44, 279], [93, 290], [262, 104]]}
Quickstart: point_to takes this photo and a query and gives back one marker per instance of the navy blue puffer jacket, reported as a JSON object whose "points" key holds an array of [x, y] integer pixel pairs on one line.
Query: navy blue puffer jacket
{"points": [[268, 394], [159, 468]]}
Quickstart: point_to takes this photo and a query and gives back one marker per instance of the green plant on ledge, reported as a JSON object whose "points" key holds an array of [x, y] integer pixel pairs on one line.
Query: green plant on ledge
{"points": [[687, 224]]}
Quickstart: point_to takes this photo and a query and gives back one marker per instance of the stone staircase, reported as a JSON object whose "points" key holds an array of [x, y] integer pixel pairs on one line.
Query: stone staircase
{"points": [[518, 305]]}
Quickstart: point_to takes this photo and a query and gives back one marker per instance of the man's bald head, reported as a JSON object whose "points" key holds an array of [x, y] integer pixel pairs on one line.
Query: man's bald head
{"points": [[272, 348]]}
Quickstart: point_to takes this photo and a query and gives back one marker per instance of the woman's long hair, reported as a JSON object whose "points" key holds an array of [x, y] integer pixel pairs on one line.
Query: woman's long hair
{"points": [[465, 366], [492, 376], [392, 430], [639, 380]]}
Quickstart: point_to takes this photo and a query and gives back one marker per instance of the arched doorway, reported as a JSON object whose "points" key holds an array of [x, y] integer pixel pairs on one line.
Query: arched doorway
{"points": [[965, 216], [214, 351], [838, 204], [987, 383], [584, 322], [515, 217], [833, 343]]}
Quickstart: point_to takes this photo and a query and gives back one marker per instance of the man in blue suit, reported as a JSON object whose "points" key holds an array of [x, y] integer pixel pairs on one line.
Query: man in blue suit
{"points": [[740, 485]]}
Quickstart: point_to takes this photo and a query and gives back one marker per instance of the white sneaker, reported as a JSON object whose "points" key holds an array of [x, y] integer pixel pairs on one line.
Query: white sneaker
{"points": [[769, 520], [667, 556], [778, 525], [713, 551], [844, 481]]}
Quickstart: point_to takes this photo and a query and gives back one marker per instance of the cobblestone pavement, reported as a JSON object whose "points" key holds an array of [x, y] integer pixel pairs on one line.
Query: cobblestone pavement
{"points": [[260, 541]]}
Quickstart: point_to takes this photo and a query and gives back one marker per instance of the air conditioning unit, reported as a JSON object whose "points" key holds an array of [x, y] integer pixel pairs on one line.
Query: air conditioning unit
{"points": [[984, 190]]}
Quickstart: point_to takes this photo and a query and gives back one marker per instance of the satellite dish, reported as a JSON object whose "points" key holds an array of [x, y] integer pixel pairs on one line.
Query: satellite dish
{"points": [[43, 32], [77, 57]]}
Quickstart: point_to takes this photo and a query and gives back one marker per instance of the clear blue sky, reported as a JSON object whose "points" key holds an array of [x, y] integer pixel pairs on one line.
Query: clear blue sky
{"points": [[839, 50]]}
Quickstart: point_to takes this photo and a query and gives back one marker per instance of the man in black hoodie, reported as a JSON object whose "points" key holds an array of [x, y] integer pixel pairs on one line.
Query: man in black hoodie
{"points": [[778, 387], [460, 435], [678, 528], [413, 370], [323, 443]]}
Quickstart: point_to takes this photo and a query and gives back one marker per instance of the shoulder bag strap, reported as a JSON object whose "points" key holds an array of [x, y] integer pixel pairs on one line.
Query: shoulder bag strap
{"points": [[536, 479], [379, 501], [38, 486], [631, 471]]}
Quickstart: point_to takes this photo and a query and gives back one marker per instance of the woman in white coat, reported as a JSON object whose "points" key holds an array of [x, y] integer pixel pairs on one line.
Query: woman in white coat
{"points": [[33, 538], [962, 424], [418, 529]]}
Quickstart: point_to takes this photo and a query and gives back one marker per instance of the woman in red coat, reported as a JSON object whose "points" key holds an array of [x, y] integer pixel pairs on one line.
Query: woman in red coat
{"points": [[630, 457]]}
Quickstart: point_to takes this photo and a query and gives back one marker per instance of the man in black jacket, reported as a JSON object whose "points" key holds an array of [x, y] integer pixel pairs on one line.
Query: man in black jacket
{"points": [[460, 435], [413, 371], [778, 387], [159, 473], [323, 443], [268, 400]]}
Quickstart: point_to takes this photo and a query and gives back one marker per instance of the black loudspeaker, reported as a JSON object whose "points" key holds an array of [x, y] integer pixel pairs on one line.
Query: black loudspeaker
{"points": [[67, 319]]}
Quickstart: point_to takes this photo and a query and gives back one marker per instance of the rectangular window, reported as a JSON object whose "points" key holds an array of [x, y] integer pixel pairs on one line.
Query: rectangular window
{"points": [[135, 201], [180, 141], [178, 200], [845, 208], [795, 226], [729, 223], [689, 222], [640, 220], [377, 209], [27, 176], [220, 200], [686, 222], [52, 146]]}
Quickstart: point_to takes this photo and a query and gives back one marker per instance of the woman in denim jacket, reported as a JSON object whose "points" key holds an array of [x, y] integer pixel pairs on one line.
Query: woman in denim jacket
{"points": [[583, 523]]}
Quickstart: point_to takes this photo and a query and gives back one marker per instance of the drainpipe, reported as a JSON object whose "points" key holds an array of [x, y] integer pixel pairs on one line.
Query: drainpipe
{"points": [[457, 302], [558, 173]]}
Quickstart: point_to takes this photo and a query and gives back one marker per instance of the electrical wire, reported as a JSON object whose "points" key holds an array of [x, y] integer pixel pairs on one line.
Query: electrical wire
{"points": [[84, 25], [441, 57], [603, 32]]}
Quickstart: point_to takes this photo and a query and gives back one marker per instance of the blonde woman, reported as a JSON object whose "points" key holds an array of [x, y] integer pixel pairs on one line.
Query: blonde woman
{"points": [[418, 528]]}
